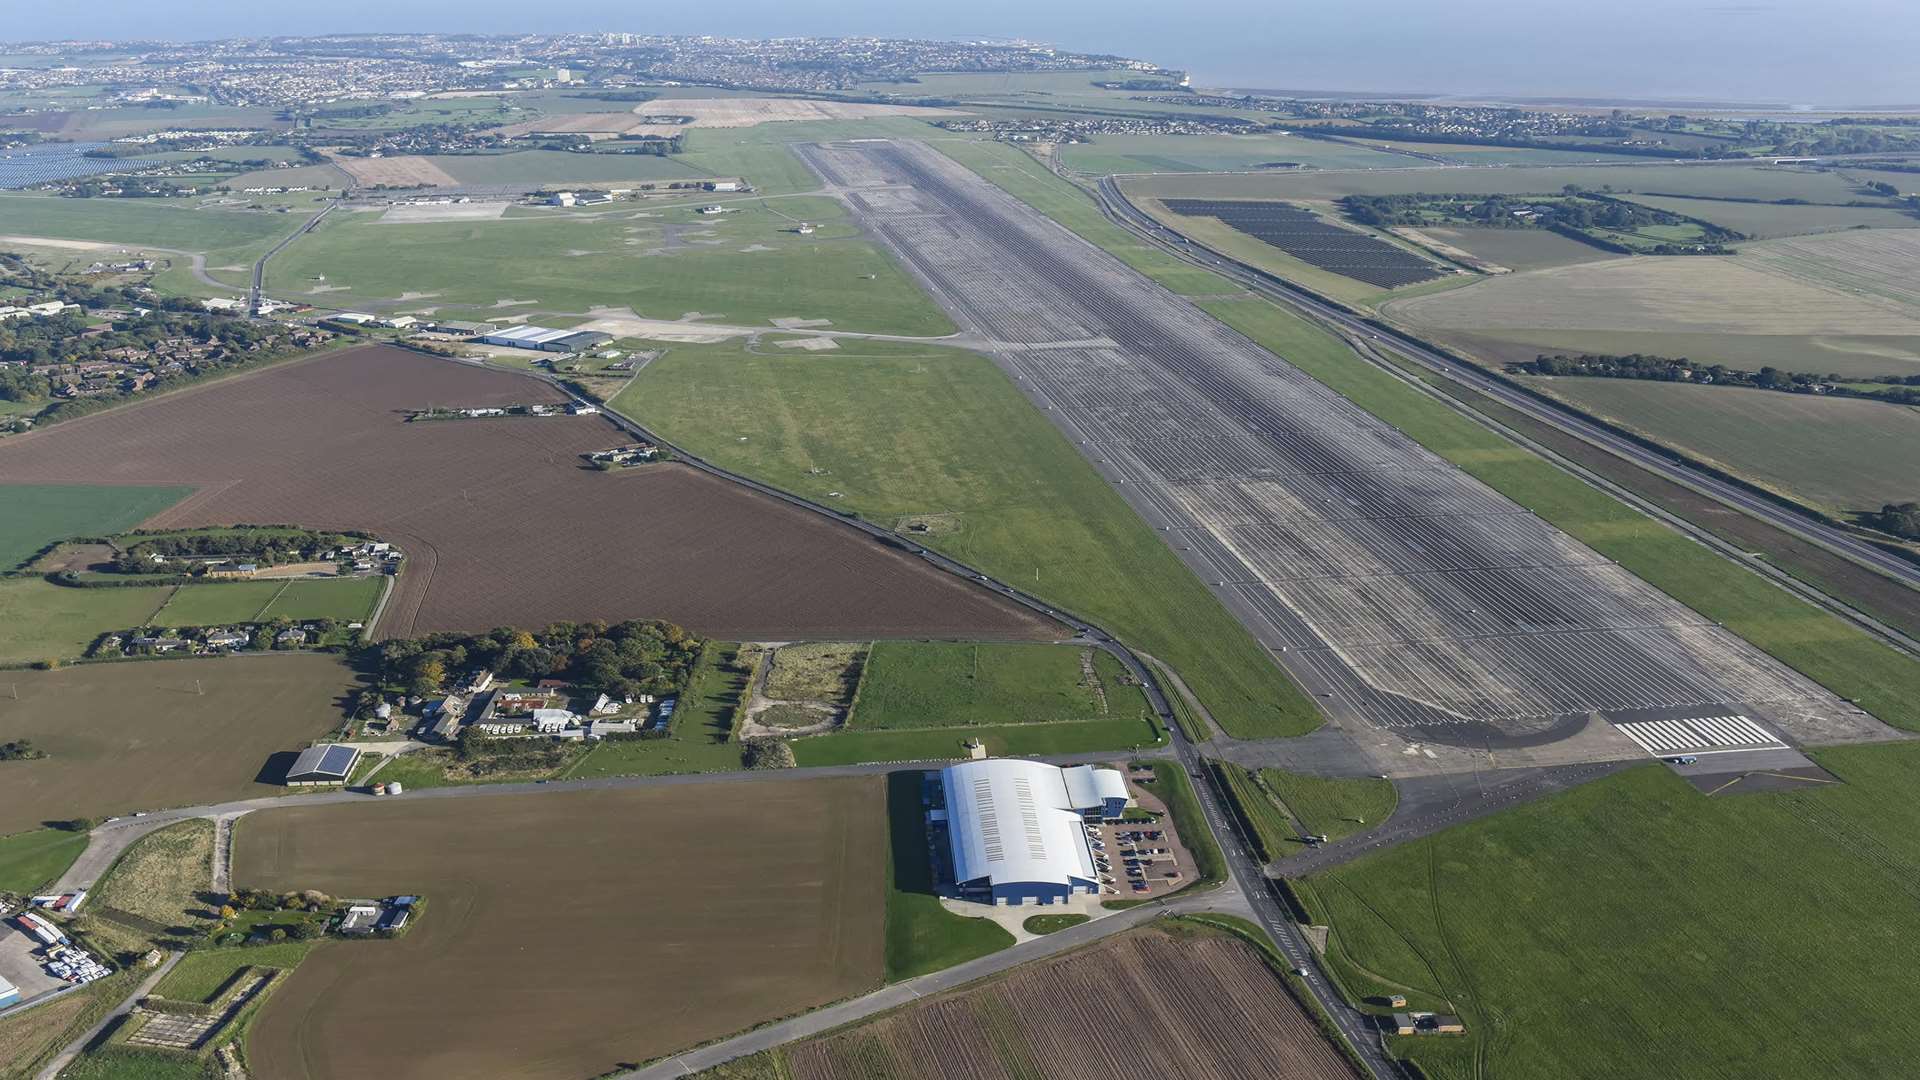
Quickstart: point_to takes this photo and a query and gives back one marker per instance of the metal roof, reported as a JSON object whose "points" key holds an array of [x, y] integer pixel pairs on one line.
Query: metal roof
{"points": [[323, 761], [1089, 788], [1012, 821]]}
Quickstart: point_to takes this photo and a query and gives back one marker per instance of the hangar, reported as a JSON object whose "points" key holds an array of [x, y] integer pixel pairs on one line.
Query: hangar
{"points": [[544, 339], [1015, 830], [326, 764]]}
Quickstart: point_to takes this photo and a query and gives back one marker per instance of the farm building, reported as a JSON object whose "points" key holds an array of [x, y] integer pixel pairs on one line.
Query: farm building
{"points": [[1016, 830], [323, 765], [544, 339]]}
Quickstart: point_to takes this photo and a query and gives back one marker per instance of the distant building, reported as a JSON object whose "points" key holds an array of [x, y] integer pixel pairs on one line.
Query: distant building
{"points": [[1016, 830], [544, 339], [722, 185], [326, 764]]}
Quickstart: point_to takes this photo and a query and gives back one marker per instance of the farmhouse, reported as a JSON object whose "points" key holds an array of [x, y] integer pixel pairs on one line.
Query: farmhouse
{"points": [[330, 764], [1016, 830], [544, 339]]}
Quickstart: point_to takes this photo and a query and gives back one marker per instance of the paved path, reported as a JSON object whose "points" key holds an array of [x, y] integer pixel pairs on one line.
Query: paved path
{"points": [[66, 1056], [905, 993]]}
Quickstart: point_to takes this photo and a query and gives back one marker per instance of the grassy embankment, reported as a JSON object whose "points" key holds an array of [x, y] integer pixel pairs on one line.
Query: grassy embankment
{"points": [[908, 435], [1761, 936]]}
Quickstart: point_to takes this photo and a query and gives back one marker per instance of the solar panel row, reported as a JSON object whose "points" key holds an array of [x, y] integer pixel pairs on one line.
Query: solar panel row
{"points": [[1311, 239]]}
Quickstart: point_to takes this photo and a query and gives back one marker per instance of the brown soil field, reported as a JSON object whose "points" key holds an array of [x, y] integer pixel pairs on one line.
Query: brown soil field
{"points": [[406, 170], [1150, 1002], [569, 931], [500, 523], [145, 736]]}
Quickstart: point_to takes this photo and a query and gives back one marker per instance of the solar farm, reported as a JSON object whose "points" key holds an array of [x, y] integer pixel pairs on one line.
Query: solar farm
{"points": [[1311, 239], [1387, 580], [28, 166]]}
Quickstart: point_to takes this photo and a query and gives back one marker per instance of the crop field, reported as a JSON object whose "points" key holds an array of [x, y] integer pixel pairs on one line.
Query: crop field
{"points": [[1168, 1000], [302, 442], [748, 266], [1844, 354], [169, 223], [1764, 221], [1314, 240], [148, 735], [1708, 181], [1697, 294], [1840, 453], [1517, 249], [718, 914], [910, 434], [38, 515], [1669, 907], [932, 685], [1109, 154], [1880, 264], [342, 599]]}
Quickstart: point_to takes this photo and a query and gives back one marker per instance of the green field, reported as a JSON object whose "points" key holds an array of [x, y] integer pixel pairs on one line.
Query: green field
{"points": [[1108, 154], [1334, 807], [1012, 169], [171, 223], [43, 621], [202, 973], [558, 167], [31, 860], [342, 599], [1845, 660], [1756, 936], [570, 263], [910, 434], [916, 684], [922, 936], [1842, 454], [39, 514], [1763, 221]]}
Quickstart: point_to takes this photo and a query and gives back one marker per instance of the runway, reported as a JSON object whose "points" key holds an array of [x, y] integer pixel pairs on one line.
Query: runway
{"points": [[1387, 581]]}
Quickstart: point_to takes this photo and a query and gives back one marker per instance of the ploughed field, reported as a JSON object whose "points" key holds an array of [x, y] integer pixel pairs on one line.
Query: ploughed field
{"points": [[570, 931], [500, 522], [145, 736], [1152, 1002]]}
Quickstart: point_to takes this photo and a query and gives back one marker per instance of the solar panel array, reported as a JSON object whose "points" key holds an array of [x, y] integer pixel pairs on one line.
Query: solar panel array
{"points": [[1311, 239], [31, 165]]}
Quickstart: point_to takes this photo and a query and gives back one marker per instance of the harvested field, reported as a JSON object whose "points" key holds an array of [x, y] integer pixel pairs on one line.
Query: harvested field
{"points": [[1880, 263], [1690, 295], [143, 736], [1517, 249], [324, 443], [545, 954], [407, 170], [1152, 1002]]}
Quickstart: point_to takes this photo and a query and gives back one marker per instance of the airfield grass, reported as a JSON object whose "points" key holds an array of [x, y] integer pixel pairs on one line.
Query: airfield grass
{"points": [[763, 156], [172, 223], [1633, 927], [39, 514], [1819, 645], [1265, 824], [30, 860], [914, 434], [575, 262], [1843, 454], [1027, 180], [562, 167], [921, 935], [1334, 806]]}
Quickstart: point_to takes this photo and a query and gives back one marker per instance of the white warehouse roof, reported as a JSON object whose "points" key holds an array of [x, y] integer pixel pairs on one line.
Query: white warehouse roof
{"points": [[1014, 821], [538, 335], [1088, 787]]}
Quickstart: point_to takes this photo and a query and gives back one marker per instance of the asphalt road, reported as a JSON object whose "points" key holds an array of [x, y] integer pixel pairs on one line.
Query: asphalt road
{"points": [[1833, 539]]}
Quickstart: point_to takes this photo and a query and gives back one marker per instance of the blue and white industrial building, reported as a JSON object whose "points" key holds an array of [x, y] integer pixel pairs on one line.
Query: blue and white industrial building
{"points": [[1015, 831]]}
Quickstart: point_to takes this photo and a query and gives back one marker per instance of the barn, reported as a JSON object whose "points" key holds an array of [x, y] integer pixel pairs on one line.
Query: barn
{"points": [[1016, 831], [323, 765]]}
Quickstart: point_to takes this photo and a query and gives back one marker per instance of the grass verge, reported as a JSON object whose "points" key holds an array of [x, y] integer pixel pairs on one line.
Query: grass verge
{"points": [[923, 936], [1171, 784], [30, 860]]}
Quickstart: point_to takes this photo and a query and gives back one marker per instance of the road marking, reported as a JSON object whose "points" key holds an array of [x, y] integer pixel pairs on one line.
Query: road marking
{"points": [[1699, 735]]}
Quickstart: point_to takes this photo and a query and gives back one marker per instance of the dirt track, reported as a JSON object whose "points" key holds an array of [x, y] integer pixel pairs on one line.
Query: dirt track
{"points": [[500, 522]]}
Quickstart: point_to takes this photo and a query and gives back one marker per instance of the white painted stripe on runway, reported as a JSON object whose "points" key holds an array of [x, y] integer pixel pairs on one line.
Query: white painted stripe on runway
{"points": [[1713, 734], [1699, 735], [1738, 730]]}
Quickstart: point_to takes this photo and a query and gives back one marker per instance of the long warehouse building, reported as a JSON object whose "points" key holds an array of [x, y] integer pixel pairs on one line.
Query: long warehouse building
{"points": [[1016, 829]]}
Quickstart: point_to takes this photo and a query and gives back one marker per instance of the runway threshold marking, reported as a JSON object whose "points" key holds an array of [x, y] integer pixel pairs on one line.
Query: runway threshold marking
{"points": [[1699, 735]]}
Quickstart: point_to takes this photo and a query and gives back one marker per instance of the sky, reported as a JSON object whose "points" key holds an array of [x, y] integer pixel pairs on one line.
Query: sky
{"points": [[1836, 53]]}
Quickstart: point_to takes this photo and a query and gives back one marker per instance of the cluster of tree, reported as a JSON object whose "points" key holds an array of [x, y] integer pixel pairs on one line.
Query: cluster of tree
{"points": [[20, 750], [633, 657], [1900, 519], [1575, 213], [635, 96], [1882, 188], [767, 753], [265, 547], [1901, 389]]}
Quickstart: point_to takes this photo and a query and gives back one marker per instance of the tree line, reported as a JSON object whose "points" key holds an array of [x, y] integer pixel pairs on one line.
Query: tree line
{"points": [[1900, 389], [626, 658]]}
